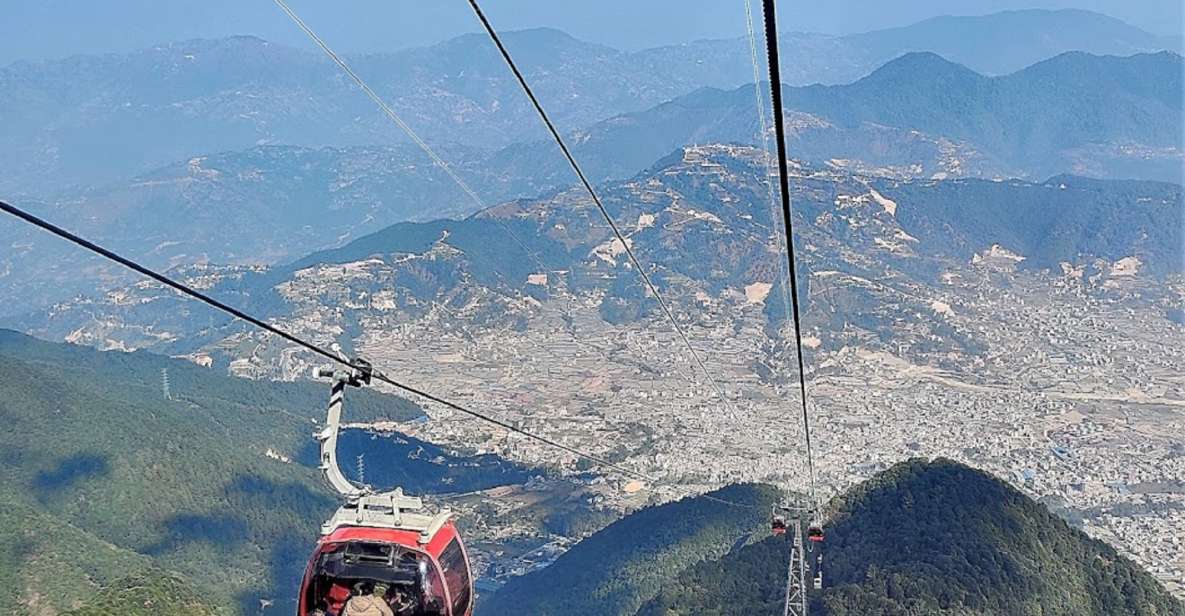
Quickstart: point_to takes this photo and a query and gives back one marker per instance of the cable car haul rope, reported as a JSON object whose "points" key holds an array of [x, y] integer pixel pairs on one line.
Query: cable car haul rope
{"points": [[795, 597]]}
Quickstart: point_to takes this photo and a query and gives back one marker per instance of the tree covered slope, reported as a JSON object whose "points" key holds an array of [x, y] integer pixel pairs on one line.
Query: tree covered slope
{"points": [[931, 538], [103, 477], [152, 594], [619, 568]]}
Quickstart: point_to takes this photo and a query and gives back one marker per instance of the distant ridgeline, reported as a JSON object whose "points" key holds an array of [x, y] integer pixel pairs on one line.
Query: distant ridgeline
{"points": [[921, 538], [918, 116], [1078, 221]]}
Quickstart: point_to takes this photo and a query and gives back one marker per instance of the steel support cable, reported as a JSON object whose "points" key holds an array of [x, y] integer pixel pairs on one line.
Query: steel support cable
{"points": [[769, 171], [666, 309], [775, 78], [775, 218], [187, 290]]}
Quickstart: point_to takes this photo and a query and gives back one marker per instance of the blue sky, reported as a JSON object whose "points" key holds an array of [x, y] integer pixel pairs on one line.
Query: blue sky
{"points": [[36, 29]]}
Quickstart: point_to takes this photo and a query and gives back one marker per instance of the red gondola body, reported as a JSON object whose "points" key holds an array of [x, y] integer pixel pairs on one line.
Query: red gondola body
{"points": [[434, 574]]}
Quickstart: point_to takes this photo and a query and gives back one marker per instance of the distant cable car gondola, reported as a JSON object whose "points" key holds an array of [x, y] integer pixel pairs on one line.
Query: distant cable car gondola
{"points": [[815, 533], [381, 547], [777, 522]]}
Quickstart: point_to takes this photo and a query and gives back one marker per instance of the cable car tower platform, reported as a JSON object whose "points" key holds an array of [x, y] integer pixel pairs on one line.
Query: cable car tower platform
{"points": [[796, 571]]}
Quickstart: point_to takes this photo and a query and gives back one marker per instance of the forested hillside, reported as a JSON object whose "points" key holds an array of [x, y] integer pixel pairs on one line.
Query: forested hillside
{"points": [[153, 594], [104, 477], [619, 568], [931, 538]]}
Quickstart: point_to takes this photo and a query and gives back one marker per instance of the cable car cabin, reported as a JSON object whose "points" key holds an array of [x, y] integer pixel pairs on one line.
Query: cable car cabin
{"points": [[375, 550], [815, 533], [778, 525]]}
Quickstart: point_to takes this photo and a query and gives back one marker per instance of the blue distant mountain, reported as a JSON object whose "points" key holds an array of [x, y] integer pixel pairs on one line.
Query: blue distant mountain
{"points": [[86, 120], [1101, 116], [919, 116], [1005, 42]]}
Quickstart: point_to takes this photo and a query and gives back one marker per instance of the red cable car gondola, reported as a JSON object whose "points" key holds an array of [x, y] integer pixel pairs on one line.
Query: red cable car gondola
{"points": [[381, 549], [777, 522], [815, 533]]}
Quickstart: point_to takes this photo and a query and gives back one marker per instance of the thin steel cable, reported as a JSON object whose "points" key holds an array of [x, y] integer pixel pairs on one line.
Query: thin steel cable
{"points": [[775, 218], [187, 290], [775, 78], [407, 129], [769, 171], [378, 100], [522, 81]]}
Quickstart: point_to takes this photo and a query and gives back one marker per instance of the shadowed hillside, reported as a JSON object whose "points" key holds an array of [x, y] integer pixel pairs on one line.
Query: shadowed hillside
{"points": [[932, 538], [619, 568]]}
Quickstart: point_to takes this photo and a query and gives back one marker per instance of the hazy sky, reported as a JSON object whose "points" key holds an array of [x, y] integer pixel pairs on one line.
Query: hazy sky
{"points": [[35, 29]]}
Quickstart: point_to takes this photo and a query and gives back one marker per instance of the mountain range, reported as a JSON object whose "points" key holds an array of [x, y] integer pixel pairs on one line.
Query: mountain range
{"points": [[695, 217], [89, 120], [263, 205], [918, 116], [921, 115]]}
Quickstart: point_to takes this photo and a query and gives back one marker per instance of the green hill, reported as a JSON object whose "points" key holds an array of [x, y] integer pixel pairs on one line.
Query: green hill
{"points": [[931, 538], [617, 569], [47, 564], [148, 595], [102, 477]]}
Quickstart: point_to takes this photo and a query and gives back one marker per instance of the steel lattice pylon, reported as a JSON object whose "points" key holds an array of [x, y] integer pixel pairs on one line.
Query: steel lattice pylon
{"points": [[796, 574]]}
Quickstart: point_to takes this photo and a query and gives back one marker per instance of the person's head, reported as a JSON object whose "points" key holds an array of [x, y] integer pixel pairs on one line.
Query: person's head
{"points": [[380, 589]]}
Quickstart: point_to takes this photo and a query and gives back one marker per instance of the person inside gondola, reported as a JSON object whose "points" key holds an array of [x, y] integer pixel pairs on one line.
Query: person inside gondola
{"points": [[368, 600], [401, 602]]}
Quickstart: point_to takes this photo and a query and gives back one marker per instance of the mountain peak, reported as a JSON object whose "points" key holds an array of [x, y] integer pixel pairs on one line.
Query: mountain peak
{"points": [[1032, 18], [545, 40], [920, 65]]}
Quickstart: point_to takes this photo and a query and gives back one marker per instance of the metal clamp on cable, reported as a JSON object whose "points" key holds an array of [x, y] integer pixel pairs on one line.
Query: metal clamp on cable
{"points": [[359, 373]]}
